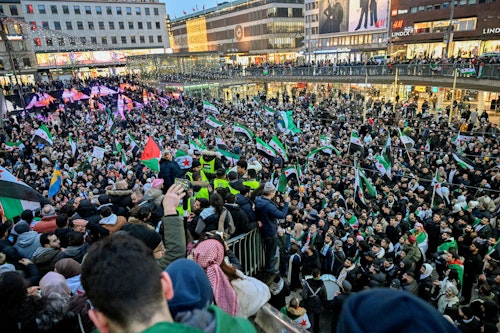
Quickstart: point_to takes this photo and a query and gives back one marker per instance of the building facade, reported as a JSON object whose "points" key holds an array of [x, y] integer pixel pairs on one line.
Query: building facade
{"points": [[422, 28], [248, 32], [345, 30]]}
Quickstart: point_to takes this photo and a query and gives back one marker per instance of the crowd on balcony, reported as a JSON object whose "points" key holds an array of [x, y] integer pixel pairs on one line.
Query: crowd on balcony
{"points": [[402, 200]]}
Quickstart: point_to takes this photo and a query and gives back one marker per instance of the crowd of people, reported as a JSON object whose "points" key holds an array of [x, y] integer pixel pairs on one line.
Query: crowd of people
{"points": [[425, 223]]}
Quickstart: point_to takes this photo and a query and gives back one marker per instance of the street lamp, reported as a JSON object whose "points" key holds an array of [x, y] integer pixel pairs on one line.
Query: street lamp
{"points": [[449, 33]]}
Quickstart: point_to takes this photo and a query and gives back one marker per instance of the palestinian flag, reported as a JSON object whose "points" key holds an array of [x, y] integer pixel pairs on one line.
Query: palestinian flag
{"points": [[183, 159], [264, 148], [16, 196], [278, 147], [241, 129], [219, 142], [408, 142], [383, 165], [355, 143], [231, 157], [132, 144], [212, 122], [55, 182], [463, 162], [178, 134], [117, 147], [269, 111], [480, 71], [43, 135], [151, 155], [210, 107]]}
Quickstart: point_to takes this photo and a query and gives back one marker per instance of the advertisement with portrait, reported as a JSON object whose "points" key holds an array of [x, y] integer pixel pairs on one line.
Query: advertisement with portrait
{"points": [[367, 15], [333, 16]]}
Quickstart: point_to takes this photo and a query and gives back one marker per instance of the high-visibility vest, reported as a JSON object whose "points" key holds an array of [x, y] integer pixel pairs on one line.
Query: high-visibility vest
{"points": [[253, 184], [203, 192], [207, 166], [220, 183]]}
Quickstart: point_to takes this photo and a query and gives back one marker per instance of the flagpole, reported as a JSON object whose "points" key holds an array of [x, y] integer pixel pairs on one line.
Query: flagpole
{"points": [[433, 195], [453, 93]]}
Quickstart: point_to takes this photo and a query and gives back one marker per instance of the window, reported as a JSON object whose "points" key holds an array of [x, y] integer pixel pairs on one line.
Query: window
{"points": [[93, 40], [156, 11], [91, 25], [142, 40], [139, 25], [60, 41], [13, 10], [151, 39], [113, 40], [437, 6], [157, 25], [463, 2], [88, 10], [79, 25], [137, 10], [413, 9], [429, 7], [83, 40], [128, 10], [77, 10], [98, 10], [118, 10], [124, 40], [104, 41], [65, 9], [160, 39], [72, 41], [111, 25], [41, 10], [45, 25], [69, 25], [472, 2], [131, 25], [108, 10], [49, 42], [421, 8], [148, 11], [37, 42], [446, 5], [121, 25], [149, 25], [57, 25], [101, 25], [53, 9], [29, 9]]}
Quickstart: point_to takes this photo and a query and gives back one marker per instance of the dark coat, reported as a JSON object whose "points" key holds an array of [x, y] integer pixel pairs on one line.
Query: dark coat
{"points": [[314, 303]]}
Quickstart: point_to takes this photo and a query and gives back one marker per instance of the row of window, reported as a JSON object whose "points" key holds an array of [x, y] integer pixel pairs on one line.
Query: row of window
{"points": [[80, 25], [463, 24], [98, 10], [72, 41], [345, 40]]}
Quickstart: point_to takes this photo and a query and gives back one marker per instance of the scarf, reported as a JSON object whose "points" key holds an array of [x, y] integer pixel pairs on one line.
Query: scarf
{"points": [[209, 254]]}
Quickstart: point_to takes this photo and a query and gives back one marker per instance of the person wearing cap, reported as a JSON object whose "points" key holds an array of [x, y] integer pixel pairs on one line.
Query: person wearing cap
{"points": [[267, 214], [210, 161], [48, 222], [409, 282]]}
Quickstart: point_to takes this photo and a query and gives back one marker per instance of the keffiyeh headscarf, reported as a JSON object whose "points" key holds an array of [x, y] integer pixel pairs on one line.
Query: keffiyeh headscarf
{"points": [[209, 254]]}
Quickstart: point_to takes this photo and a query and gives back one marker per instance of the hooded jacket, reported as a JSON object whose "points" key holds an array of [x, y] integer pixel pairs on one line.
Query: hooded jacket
{"points": [[247, 205], [45, 258], [267, 213], [27, 243]]}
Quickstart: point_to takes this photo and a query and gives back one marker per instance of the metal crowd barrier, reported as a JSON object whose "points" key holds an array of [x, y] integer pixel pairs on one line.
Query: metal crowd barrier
{"points": [[249, 250], [270, 320]]}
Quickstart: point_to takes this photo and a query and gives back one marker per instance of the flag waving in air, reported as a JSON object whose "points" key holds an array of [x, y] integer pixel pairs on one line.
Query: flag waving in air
{"points": [[43, 135], [55, 182], [151, 155]]}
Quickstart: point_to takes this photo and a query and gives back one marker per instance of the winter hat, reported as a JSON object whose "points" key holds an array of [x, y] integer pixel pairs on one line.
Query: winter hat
{"points": [[268, 188], [452, 288], [68, 267], [412, 239], [395, 284], [7, 268], [157, 183], [427, 272], [408, 313], [20, 228], [346, 285], [338, 242], [192, 290], [53, 282], [196, 163], [149, 237]]}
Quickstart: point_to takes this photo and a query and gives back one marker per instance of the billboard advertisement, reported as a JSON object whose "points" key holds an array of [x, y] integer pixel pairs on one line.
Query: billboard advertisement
{"points": [[352, 15]]}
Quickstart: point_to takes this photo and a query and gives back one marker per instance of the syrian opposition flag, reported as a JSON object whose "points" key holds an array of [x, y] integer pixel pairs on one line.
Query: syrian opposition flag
{"points": [[124, 161], [241, 129], [462, 162], [10, 146], [282, 183], [178, 134], [231, 157], [210, 107], [436, 184], [256, 100], [358, 187], [16, 196], [110, 125], [151, 155], [408, 142], [117, 147], [264, 148], [287, 122], [326, 149], [278, 147], [383, 165], [459, 138], [289, 171], [386, 152], [193, 145], [132, 144], [269, 111], [73, 146], [355, 142], [324, 140], [212, 122], [183, 159], [43, 134], [219, 142], [368, 184]]}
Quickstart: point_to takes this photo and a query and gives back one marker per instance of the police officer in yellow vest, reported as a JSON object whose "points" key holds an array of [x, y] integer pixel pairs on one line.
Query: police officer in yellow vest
{"points": [[252, 181], [220, 179], [199, 181], [210, 161]]}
